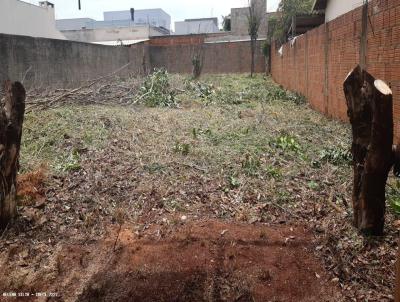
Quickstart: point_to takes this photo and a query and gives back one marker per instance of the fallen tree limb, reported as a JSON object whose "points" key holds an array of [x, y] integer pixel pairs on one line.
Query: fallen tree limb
{"points": [[89, 84]]}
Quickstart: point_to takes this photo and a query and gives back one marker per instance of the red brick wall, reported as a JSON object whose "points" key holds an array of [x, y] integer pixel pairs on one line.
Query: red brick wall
{"points": [[175, 54], [177, 40], [319, 61]]}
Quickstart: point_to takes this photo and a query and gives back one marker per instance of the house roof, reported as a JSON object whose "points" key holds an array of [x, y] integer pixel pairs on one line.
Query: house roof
{"points": [[320, 5]]}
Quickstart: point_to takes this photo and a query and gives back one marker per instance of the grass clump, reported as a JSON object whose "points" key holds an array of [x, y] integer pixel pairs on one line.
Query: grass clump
{"points": [[56, 137], [273, 172], [251, 165], [69, 162], [393, 196], [202, 90], [233, 182], [336, 155], [182, 148]]}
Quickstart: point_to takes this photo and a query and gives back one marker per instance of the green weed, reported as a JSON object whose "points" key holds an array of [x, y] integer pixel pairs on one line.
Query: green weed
{"points": [[336, 155], [393, 196], [251, 165], [286, 142], [182, 148]]}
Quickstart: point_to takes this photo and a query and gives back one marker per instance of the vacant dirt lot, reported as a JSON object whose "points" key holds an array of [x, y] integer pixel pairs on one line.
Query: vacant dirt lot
{"points": [[240, 192]]}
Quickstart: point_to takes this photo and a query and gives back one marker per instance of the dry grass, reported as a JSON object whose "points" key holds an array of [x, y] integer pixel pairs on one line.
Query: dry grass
{"points": [[234, 149]]}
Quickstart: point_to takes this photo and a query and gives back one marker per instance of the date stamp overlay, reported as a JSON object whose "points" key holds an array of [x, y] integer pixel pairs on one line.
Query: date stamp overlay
{"points": [[29, 295]]}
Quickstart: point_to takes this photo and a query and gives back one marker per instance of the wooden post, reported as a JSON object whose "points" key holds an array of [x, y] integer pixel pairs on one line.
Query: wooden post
{"points": [[11, 119], [370, 109]]}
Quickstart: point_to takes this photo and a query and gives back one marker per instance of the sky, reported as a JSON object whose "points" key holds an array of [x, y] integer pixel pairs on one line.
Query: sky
{"points": [[178, 9]]}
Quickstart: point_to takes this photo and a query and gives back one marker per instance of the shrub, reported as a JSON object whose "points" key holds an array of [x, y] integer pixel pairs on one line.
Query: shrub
{"points": [[156, 90]]}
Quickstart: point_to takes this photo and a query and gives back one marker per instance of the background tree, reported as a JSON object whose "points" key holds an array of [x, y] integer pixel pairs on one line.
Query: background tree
{"points": [[287, 9], [254, 19], [226, 23], [197, 61]]}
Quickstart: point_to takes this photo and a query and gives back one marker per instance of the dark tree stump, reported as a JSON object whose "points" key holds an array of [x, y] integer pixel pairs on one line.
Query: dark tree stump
{"points": [[11, 119], [397, 289], [370, 109]]}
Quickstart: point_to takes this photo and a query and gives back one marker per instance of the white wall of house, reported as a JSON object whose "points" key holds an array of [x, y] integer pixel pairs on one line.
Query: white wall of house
{"points": [[99, 35], [21, 18], [155, 17], [195, 27], [336, 8]]}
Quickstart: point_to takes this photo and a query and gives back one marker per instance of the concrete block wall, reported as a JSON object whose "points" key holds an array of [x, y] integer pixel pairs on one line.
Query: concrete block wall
{"points": [[62, 63], [67, 64], [319, 61]]}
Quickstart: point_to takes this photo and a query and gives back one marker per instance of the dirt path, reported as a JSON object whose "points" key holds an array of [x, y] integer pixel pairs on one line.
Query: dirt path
{"points": [[192, 261]]}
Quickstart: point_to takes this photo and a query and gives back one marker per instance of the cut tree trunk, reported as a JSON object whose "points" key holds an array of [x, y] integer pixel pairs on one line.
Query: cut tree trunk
{"points": [[397, 290], [11, 119], [370, 109], [253, 50]]}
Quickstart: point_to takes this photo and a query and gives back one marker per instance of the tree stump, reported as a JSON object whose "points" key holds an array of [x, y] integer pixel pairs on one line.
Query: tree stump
{"points": [[370, 109], [11, 119], [397, 288]]}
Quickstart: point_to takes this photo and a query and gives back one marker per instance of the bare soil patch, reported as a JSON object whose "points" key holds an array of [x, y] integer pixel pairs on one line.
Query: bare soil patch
{"points": [[195, 261]]}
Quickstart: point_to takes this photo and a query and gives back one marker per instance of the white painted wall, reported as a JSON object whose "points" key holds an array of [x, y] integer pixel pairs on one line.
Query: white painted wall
{"points": [[195, 27], [336, 8], [155, 17], [21, 18], [111, 34]]}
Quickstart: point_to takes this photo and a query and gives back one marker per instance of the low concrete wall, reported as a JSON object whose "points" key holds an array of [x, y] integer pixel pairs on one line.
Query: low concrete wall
{"points": [[62, 63]]}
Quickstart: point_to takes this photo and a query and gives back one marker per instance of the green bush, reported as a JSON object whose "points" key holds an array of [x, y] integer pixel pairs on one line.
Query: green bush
{"points": [[277, 93], [156, 90], [266, 46]]}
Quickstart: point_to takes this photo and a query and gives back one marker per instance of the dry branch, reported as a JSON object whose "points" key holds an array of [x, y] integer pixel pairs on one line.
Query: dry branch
{"points": [[44, 102]]}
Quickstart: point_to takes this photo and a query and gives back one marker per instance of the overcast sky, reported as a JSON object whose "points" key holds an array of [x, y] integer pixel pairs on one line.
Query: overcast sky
{"points": [[178, 9]]}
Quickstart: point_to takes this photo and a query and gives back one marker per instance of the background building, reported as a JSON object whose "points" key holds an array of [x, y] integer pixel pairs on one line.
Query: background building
{"points": [[21, 18], [153, 17], [240, 25], [196, 26], [118, 27], [239, 21], [334, 9]]}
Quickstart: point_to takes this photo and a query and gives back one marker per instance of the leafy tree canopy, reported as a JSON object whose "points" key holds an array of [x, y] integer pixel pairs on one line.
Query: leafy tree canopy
{"points": [[279, 24]]}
